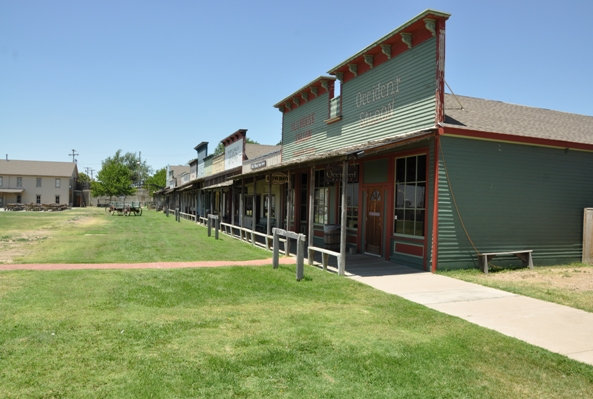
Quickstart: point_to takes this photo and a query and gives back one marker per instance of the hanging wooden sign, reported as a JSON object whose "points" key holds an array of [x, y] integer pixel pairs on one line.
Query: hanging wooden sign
{"points": [[333, 174]]}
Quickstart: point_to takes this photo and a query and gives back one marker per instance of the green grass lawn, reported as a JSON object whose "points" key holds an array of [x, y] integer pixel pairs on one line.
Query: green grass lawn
{"points": [[252, 333], [90, 235], [570, 285]]}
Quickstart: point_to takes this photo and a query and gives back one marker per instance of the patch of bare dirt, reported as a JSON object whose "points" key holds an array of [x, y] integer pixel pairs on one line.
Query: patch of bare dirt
{"points": [[571, 278], [15, 245]]}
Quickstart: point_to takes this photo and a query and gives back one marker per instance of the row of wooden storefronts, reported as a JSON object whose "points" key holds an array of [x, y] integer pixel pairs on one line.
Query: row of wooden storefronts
{"points": [[389, 165]]}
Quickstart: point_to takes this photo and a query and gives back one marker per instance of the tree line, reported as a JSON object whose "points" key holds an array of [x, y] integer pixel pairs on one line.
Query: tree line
{"points": [[122, 174]]}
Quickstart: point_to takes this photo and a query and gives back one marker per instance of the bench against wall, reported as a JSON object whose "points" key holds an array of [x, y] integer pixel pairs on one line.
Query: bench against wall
{"points": [[525, 257]]}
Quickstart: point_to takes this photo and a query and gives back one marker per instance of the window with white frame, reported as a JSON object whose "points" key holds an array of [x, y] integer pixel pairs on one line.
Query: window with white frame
{"points": [[410, 194], [321, 199], [1, 181], [351, 206], [38, 182], [19, 182], [57, 199], [38, 199], [58, 183]]}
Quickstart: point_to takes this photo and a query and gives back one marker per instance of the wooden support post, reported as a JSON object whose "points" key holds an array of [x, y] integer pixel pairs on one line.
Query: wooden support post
{"points": [[269, 219], [300, 269], [275, 248], [289, 209], [241, 207], [209, 226], [325, 260], [310, 220], [197, 206], [232, 205], [253, 212], [342, 259]]}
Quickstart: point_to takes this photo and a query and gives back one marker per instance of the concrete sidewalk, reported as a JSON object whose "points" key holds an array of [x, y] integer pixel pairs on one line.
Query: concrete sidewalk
{"points": [[554, 327]]}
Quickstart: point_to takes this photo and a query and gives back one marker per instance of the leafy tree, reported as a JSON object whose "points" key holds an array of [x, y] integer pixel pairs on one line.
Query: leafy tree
{"points": [[139, 170], [156, 181], [116, 178], [84, 181]]}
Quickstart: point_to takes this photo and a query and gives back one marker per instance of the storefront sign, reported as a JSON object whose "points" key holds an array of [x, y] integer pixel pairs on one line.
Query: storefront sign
{"points": [[258, 165], [333, 174], [277, 178], [233, 155]]}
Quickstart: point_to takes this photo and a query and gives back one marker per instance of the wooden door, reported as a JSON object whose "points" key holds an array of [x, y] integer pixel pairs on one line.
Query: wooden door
{"points": [[374, 221]]}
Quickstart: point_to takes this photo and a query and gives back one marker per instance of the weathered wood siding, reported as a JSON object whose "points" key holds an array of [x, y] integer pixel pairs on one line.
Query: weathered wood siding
{"points": [[511, 197], [394, 98], [304, 129]]}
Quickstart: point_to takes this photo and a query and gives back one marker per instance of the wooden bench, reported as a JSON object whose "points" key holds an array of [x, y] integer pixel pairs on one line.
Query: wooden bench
{"points": [[525, 257]]}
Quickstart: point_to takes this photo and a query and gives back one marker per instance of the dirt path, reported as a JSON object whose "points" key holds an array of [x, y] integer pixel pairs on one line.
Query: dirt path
{"points": [[155, 265]]}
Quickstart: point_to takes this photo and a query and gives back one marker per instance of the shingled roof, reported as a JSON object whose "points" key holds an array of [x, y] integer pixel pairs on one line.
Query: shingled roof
{"points": [[37, 168], [519, 120]]}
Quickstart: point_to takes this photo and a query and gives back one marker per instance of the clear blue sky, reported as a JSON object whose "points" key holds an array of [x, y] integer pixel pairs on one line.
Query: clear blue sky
{"points": [[159, 77]]}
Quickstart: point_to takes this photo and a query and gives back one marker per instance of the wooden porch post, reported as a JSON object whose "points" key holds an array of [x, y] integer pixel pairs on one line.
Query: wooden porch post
{"points": [[342, 261], [241, 205], [288, 210], [268, 222], [253, 212], [233, 205], [311, 207]]}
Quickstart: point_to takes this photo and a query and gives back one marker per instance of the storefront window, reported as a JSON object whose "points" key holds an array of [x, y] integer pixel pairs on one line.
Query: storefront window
{"points": [[351, 206], [321, 199], [410, 194], [248, 205], [272, 208]]}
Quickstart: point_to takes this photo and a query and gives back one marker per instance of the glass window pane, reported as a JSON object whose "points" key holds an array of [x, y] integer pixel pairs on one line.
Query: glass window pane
{"points": [[420, 190], [410, 169], [421, 168], [400, 170], [399, 195]]}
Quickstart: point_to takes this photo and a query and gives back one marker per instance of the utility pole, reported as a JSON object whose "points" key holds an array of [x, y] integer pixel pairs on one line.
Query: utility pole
{"points": [[73, 155], [89, 171]]}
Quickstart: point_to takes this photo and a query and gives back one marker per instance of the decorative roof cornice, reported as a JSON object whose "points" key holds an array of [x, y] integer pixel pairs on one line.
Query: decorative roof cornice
{"points": [[319, 86], [408, 35]]}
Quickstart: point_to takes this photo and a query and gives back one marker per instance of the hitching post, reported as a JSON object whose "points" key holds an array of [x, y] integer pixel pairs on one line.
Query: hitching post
{"points": [[275, 247], [300, 272], [217, 226]]}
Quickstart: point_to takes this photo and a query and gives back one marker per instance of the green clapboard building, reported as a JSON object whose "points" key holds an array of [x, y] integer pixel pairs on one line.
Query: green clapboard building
{"points": [[377, 159], [434, 180]]}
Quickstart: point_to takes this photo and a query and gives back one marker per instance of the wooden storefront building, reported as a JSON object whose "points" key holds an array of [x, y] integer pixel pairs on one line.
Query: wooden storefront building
{"points": [[377, 159]]}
